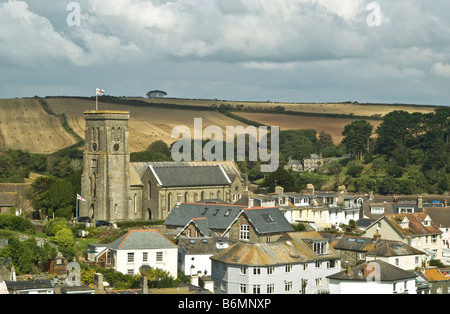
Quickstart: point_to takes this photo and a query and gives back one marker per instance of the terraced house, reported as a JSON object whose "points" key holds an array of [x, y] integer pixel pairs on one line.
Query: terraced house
{"points": [[414, 229], [297, 262]]}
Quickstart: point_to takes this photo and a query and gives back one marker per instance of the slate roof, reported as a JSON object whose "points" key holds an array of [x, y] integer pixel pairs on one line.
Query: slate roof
{"points": [[382, 248], [440, 215], [198, 246], [29, 285], [387, 272], [219, 216], [142, 239], [178, 174], [267, 220]]}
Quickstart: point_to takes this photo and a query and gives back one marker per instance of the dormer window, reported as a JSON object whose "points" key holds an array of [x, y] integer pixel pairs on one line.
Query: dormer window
{"points": [[377, 210], [427, 221], [405, 223], [320, 248]]}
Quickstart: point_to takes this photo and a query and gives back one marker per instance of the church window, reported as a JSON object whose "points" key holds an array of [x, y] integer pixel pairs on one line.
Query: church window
{"points": [[169, 196], [119, 134], [149, 190], [186, 197], [135, 203]]}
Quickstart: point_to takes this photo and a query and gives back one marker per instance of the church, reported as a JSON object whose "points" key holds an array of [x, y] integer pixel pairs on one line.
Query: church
{"points": [[115, 189]]}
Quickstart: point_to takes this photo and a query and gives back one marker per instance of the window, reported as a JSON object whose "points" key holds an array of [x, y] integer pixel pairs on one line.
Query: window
{"points": [[288, 286], [243, 288], [377, 210], [318, 264], [305, 266], [204, 210], [244, 233], [268, 218], [416, 260], [159, 256], [130, 272], [288, 268], [215, 212], [130, 258], [169, 202], [320, 247], [145, 257], [270, 270], [331, 263], [243, 270], [228, 212], [256, 289], [434, 239], [270, 288], [318, 282]]}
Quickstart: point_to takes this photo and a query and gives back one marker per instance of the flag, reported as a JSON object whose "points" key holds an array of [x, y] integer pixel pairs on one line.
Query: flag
{"points": [[100, 91], [80, 198]]}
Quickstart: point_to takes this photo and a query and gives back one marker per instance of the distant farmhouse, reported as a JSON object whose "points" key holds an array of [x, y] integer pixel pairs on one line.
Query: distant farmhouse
{"points": [[116, 189]]}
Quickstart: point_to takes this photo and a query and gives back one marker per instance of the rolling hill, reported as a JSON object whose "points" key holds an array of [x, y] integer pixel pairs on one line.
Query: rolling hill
{"points": [[25, 124]]}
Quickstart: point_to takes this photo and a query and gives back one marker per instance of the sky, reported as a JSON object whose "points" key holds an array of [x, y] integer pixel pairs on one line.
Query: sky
{"points": [[248, 50]]}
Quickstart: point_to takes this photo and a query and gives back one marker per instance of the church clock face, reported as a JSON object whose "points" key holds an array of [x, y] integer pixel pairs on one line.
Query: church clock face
{"points": [[116, 147]]}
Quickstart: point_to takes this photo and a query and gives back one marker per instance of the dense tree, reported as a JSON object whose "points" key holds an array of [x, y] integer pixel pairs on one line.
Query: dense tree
{"points": [[282, 178], [156, 94], [356, 137]]}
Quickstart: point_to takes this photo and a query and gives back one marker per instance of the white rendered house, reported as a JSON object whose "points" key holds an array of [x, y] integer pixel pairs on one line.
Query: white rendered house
{"points": [[140, 248]]}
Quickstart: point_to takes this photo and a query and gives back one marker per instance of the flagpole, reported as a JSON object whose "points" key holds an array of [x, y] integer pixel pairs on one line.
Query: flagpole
{"points": [[96, 100], [76, 212]]}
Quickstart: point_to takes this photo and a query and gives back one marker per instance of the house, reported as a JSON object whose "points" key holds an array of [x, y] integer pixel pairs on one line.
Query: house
{"points": [[414, 229], [258, 224], [43, 286], [216, 216], [298, 262], [441, 217], [354, 250], [135, 249], [12, 196], [439, 279], [194, 254], [377, 277]]}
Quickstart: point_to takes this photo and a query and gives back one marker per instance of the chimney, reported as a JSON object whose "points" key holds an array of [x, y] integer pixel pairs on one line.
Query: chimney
{"points": [[310, 189], [144, 284], [279, 190], [98, 283], [420, 201], [349, 270]]}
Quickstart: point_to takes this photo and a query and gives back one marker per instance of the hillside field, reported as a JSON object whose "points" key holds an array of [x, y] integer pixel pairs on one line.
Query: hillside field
{"points": [[146, 125], [25, 125], [327, 108], [333, 126]]}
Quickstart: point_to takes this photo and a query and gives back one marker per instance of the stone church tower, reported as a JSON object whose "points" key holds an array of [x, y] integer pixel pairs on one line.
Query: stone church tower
{"points": [[106, 162]]}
